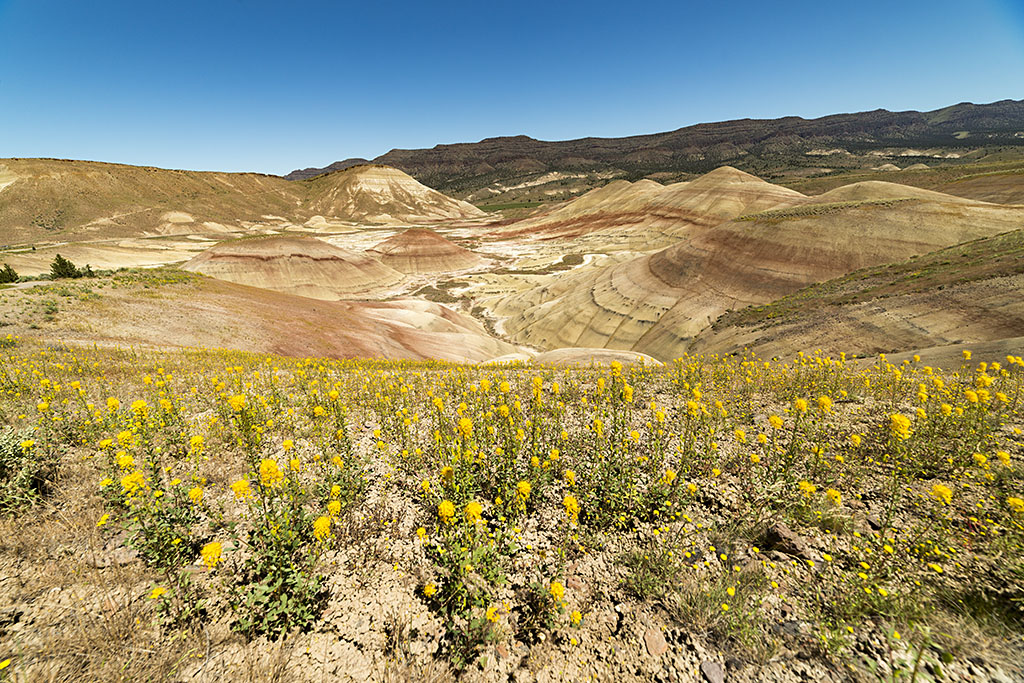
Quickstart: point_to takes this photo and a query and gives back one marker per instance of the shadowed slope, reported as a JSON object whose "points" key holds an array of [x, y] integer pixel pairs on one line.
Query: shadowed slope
{"points": [[296, 265]]}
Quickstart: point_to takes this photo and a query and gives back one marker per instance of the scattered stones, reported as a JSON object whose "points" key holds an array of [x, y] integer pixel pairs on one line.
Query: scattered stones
{"points": [[9, 616], [712, 672], [783, 539], [115, 553], [655, 641]]}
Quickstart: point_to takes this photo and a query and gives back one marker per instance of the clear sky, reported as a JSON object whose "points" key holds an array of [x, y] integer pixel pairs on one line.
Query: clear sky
{"points": [[272, 86]]}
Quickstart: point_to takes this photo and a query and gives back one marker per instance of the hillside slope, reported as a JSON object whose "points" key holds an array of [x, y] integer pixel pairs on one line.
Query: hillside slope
{"points": [[304, 266], [644, 216], [59, 200], [966, 294], [656, 303], [169, 308], [419, 250], [378, 194]]}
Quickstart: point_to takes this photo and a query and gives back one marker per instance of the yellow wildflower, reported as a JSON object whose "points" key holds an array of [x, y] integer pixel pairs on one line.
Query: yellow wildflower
{"points": [[942, 493], [572, 508], [241, 489], [211, 554], [270, 474], [322, 528], [446, 511], [472, 511], [834, 497]]}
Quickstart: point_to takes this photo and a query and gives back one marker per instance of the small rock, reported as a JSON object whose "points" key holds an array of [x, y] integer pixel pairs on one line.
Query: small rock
{"points": [[712, 672], [791, 628], [873, 522], [780, 537], [501, 651], [115, 553], [9, 617], [655, 641]]}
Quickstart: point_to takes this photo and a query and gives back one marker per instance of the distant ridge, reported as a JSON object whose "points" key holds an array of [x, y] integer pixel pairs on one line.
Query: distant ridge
{"points": [[305, 173], [754, 145]]}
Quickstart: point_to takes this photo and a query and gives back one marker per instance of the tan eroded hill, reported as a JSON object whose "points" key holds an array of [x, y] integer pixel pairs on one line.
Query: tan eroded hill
{"points": [[656, 303], [619, 202], [1000, 188], [46, 200], [305, 266], [51, 199], [420, 250], [880, 190], [992, 180], [170, 308], [380, 194], [969, 294], [642, 217]]}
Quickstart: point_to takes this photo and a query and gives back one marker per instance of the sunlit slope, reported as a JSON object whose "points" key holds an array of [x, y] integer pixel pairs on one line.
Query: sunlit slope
{"points": [[48, 199], [620, 202], [380, 194], [996, 181], [420, 250], [968, 294], [169, 308], [296, 265], [646, 216], [656, 303], [57, 200]]}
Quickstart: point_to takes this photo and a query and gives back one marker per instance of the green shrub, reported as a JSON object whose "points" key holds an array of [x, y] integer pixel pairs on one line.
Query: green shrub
{"points": [[24, 470], [8, 274], [61, 267]]}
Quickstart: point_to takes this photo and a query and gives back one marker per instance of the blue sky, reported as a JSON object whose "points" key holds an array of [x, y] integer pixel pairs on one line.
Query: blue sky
{"points": [[271, 86]]}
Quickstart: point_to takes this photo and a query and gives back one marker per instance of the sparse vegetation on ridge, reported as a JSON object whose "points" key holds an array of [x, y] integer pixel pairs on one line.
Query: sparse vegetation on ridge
{"points": [[991, 257], [794, 212]]}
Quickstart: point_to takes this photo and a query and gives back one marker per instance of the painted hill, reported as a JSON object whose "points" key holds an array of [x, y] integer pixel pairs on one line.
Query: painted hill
{"points": [[305, 266], [656, 303], [645, 215], [168, 308], [969, 294], [995, 179], [419, 250], [378, 194], [60, 200]]}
